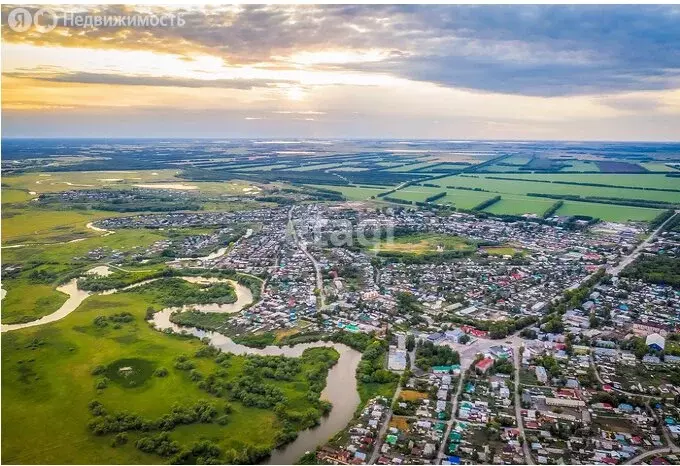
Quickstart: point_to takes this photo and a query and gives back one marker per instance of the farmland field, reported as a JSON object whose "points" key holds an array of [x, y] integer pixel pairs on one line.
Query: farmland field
{"points": [[413, 166], [608, 212], [353, 193], [424, 243], [580, 166], [520, 205], [644, 180], [659, 167], [522, 184], [416, 193], [321, 166], [464, 199]]}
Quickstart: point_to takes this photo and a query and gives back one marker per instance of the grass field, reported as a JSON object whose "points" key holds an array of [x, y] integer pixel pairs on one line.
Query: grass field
{"points": [[320, 166], [411, 167], [47, 385], [18, 186], [658, 167], [608, 212], [263, 168], [464, 199], [26, 301], [502, 250], [643, 180], [580, 166], [417, 193], [10, 196], [352, 193], [520, 205], [424, 243], [349, 169], [29, 225], [62, 181], [524, 185]]}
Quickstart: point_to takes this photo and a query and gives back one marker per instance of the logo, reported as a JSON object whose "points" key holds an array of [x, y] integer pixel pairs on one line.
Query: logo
{"points": [[45, 20], [21, 20]]}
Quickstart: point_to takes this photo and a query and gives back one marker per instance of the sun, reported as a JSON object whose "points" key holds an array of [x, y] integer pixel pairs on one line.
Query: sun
{"points": [[295, 93]]}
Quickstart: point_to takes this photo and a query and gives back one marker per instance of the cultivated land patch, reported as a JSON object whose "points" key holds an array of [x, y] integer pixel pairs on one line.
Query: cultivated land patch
{"points": [[502, 250], [464, 199], [519, 205], [660, 167], [523, 184], [310, 167], [642, 180], [412, 167], [411, 395], [353, 193], [63, 181], [608, 212], [424, 243]]}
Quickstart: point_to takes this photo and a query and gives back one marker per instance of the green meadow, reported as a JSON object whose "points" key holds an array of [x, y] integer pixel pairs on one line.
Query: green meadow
{"points": [[520, 205], [608, 212], [48, 382]]}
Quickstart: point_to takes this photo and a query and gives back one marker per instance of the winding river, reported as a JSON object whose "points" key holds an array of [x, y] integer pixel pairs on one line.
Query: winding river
{"points": [[341, 384]]}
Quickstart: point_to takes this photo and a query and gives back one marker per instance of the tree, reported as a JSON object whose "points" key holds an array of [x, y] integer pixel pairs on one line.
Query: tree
{"points": [[410, 342]]}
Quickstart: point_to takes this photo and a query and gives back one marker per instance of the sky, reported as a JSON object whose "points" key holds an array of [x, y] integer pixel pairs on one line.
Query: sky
{"points": [[562, 72]]}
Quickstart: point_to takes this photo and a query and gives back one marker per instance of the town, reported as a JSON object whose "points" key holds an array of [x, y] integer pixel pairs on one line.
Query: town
{"points": [[530, 343]]}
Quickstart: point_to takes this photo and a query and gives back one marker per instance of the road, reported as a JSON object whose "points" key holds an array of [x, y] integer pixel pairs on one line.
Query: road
{"points": [[638, 250], [658, 451], [303, 247], [672, 447], [454, 409], [518, 410], [384, 427]]}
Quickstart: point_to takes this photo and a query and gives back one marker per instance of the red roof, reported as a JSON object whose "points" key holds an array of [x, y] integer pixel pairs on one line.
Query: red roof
{"points": [[484, 364]]}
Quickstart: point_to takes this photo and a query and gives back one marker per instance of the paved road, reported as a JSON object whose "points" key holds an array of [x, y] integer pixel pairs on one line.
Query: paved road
{"points": [[383, 428], [658, 451], [303, 247], [518, 410], [638, 250]]}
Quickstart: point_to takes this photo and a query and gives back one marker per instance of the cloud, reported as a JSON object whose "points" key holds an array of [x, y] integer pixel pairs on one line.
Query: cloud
{"points": [[541, 50], [135, 80]]}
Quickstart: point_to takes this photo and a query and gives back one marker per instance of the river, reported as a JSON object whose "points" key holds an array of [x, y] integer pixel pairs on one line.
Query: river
{"points": [[341, 383], [340, 390]]}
